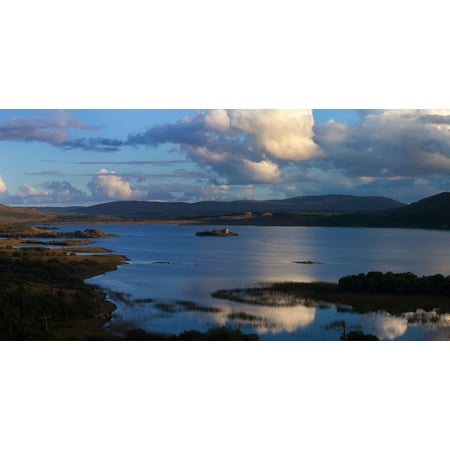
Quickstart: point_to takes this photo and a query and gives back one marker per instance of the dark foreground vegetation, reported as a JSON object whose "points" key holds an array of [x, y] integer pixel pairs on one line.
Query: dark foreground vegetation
{"points": [[43, 295], [213, 334], [395, 293]]}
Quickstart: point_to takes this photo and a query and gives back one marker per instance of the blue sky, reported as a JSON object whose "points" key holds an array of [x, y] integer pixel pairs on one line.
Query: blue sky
{"points": [[65, 157]]}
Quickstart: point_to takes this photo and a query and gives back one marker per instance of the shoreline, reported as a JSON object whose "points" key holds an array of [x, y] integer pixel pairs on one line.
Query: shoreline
{"points": [[45, 295], [104, 315], [235, 221]]}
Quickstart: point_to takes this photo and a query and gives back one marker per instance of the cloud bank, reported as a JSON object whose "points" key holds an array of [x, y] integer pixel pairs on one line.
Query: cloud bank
{"points": [[389, 143], [277, 152], [53, 129], [104, 186], [242, 146], [403, 149]]}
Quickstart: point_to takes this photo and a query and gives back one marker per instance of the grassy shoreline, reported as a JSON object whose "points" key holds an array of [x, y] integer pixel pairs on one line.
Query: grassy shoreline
{"points": [[44, 295], [293, 293]]}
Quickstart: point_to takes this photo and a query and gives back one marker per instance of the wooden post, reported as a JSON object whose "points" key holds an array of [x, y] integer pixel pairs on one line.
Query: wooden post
{"points": [[45, 319]]}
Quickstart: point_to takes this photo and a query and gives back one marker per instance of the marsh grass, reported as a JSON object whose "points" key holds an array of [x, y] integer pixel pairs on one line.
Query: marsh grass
{"points": [[264, 296], [321, 305], [126, 298], [119, 297], [244, 317], [165, 307], [143, 300], [350, 332], [192, 306], [344, 309], [423, 317], [288, 293], [185, 305], [178, 306]]}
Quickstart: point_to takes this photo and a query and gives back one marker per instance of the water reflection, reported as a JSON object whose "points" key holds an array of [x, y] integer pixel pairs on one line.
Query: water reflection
{"points": [[189, 269], [384, 325], [307, 319], [267, 320], [261, 319]]}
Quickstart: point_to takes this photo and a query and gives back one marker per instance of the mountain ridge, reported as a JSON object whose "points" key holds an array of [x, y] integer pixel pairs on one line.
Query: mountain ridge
{"points": [[327, 210], [429, 212], [319, 203]]}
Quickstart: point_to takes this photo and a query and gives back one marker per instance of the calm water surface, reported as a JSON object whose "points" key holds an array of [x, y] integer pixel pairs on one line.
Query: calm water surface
{"points": [[167, 284]]}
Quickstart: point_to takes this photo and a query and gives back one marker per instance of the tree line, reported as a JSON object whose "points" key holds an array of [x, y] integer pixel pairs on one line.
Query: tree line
{"points": [[405, 283]]}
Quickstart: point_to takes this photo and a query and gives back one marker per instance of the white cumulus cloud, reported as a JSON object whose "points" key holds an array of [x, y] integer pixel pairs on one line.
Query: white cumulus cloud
{"points": [[3, 187], [217, 119], [107, 185], [261, 172], [285, 134], [29, 191], [242, 146]]}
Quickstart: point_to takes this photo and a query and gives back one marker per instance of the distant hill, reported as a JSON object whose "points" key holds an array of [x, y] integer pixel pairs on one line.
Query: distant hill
{"points": [[430, 212], [320, 203], [321, 210], [10, 214]]}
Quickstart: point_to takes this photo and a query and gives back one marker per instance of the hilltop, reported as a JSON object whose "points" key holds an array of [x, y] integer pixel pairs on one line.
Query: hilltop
{"points": [[430, 212], [321, 210], [10, 214], [152, 210]]}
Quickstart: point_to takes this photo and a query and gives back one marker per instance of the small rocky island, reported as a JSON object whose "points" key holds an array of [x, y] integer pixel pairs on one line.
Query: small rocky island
{"points": [[224, 232]]}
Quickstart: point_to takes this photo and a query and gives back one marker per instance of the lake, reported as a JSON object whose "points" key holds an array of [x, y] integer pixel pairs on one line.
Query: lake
{"points": [[167, 284]]}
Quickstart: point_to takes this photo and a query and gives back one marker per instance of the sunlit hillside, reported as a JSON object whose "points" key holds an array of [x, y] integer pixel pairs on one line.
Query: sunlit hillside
{"points": [[9, 214]]}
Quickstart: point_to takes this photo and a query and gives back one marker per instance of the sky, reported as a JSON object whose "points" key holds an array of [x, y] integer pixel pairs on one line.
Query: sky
{"points": [[80, 157]]}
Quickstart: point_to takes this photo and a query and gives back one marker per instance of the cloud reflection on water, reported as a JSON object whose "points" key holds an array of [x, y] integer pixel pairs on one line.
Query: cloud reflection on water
{"points": [[388, 327], [267, 319]]}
